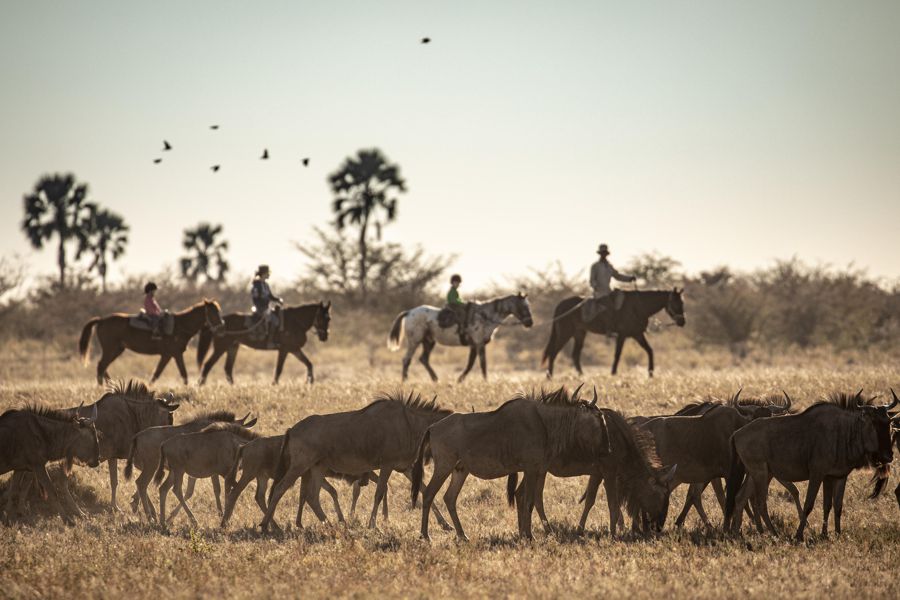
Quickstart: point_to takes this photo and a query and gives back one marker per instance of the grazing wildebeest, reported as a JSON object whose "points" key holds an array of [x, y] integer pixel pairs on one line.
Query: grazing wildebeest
{"points": [[33, 436], [526, 434], [297, 321], [258, 460], [144, 452], [204, 454], [823, 444], [420, 326], [383, 436], [628, 322], [116, 335]]}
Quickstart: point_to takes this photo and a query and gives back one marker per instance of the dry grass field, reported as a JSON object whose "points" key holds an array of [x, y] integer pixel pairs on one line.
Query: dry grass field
{"points": [[109, 555]]}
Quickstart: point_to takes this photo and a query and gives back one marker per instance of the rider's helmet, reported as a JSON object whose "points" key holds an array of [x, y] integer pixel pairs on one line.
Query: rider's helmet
{"points": [[455, 279], [150, 287]]}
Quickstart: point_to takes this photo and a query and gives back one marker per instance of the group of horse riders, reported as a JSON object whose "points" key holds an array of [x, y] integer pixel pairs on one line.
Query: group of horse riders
{"points": [[458, 312]]}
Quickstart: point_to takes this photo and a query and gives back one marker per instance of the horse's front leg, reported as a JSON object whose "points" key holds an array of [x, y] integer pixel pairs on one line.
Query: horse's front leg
{"points": [[160, 366], [182, 368], [279, 365], [620, 341], [473, 352], [310, 377], [642, 340], [482, 361]]}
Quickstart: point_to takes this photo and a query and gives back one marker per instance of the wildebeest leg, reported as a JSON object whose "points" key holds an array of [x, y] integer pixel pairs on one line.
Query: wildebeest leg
{"points": [[741, 499], [530, 483], [577, 347], [43, 479], [719, 491], [642, 340], [315, 480], [217, 490], [179, 480], [105, 360], [356, 488], [329, 489], [811, 492], [163, 361], [182, 369], [827, 497], [230, 357], [142, 482], [380, 491], [590, 497], [310, 377], [698, 504], [279, 365], [473, 352], [213, 359], [439, 476], [620, 341], [278, 490], [164, 488], [539, 503], [694, 490], [235, 492], [261, 484], [795, 495], [839, 486], [612, 500], [17, 488], [113, 482], [188, 495], [438, 515], [70, 499], [450, 496]]}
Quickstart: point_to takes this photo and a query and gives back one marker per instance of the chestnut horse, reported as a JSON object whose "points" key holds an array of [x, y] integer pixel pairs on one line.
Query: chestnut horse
{"points": [[116, 335], [297, 321]]}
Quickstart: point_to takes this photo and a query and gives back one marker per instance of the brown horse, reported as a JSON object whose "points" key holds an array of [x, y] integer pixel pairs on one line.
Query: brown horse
{"points": [[116, 335], [297, 321]]}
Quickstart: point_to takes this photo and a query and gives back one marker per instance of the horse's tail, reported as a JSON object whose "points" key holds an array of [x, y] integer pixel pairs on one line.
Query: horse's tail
{"points": [[552, 344], [84, 343], [418, 468], [206, 337], [511, 482], [281, 466], [397, 331], [129, 464]]}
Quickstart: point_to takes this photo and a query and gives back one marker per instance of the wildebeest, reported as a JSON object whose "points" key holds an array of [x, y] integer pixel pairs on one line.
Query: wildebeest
{"points": [[823, 444], [33, 436], [144, 452], [524, 435], [257, 460], [204, 454], [383, 436]]}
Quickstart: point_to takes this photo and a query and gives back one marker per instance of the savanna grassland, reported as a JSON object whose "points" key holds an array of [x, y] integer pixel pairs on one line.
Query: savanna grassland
{"points": [[108, 555]]}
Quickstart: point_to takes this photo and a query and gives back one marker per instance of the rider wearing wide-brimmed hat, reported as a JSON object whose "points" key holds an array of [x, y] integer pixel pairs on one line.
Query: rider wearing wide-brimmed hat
{"points": [[602, 273]]}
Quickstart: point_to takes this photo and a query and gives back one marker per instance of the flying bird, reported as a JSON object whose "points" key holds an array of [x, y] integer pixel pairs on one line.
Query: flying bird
{"points": [[265, 155], [426, 40], [156, 161], [213, 126], [305, 162], [214, 168], [166, 145]]}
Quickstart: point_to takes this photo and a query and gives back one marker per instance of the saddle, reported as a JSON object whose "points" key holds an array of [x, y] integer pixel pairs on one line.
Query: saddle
{"points": [[447, 318], [145, 322], [259, 331], [606, 307]]}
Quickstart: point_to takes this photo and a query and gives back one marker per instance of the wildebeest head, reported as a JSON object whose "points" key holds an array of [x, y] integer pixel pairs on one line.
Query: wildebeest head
{"points": [[85, 448], [656, 498], [675, 307], [323, 318], [878, 436], [522, 310], [165, 406]]}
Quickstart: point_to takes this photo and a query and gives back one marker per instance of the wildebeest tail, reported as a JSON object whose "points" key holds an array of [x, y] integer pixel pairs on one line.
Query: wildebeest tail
{"points": [[231, 477], [129, 464], [161, 466], [511, 482], [396, 331], [880, 479], [281, 466], [84, 343], [203, 344], [733, 484], [418, 468]]}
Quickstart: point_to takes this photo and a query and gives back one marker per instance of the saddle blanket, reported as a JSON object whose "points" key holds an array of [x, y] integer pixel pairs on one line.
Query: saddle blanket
{"points": [[143, 322]]}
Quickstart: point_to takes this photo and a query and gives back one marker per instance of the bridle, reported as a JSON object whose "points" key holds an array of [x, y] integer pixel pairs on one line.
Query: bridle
{"points": [[213, 327]]}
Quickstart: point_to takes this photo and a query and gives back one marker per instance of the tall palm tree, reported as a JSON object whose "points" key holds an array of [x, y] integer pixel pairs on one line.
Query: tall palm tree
{"points": [[57, 206], [365, 188], [206, 254], [107, 237]]}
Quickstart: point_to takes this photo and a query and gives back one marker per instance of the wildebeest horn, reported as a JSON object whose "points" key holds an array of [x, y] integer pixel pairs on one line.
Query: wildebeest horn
{"points": [[670, 474], [243, 419], [576, 392], [93, 417], [858, 396], [734, 399], [895, 402], [788, 398], [250, 423], [594, 401]]}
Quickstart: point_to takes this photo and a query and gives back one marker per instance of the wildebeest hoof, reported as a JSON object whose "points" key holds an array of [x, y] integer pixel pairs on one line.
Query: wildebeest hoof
{"points": [[446, 526]]}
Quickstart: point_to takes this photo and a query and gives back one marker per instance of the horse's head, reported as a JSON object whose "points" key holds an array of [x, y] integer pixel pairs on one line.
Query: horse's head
{"points": [[675, 306], [323, 318], [522, 310], [213, 315]]}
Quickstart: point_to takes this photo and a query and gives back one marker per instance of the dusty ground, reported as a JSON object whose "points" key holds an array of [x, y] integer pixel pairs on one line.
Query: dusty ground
{"points": [[114, 555]]}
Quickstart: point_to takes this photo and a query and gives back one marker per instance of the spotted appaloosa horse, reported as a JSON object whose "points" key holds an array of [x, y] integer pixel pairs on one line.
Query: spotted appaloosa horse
{"points": [[420, 326]]}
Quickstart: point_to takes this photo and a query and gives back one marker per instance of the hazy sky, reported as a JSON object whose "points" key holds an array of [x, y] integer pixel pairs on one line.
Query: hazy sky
{"points": [[715, 132]]}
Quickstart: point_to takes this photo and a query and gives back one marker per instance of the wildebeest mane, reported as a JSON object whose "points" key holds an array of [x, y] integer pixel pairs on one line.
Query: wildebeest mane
{"points": [[640, 460], [234, 428], [409, 401], [47, 412], [213, 415], [134, 389]]}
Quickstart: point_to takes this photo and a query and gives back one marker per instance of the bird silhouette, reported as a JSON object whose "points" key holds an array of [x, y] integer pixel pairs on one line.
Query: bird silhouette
{"points": [[213, 126], [426, 40], [265, 155], [156, 161], [166, 145], [214, 168], [305, 162]]}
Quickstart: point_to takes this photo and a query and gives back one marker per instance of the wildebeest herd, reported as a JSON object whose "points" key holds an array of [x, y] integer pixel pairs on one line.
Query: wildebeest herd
{"points": [[639, 460]]}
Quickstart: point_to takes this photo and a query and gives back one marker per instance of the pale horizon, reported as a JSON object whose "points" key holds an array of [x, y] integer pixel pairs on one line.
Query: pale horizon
{"points": [[714, 133]]}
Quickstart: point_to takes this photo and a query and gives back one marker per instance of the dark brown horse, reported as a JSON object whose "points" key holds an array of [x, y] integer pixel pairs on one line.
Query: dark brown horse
{"points": [[628, 322], [116, 335], [297, 321]]}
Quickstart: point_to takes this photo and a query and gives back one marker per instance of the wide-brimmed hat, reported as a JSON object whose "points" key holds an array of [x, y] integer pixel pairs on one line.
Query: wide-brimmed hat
{"points": [[603, 249], [262, 269]]}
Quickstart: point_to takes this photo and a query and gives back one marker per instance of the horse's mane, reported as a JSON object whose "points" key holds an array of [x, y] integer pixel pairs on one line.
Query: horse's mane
{"points": [[213, 415], [47, 412], [135, 389], [200, 304], [236, 429], [414, 402]]}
